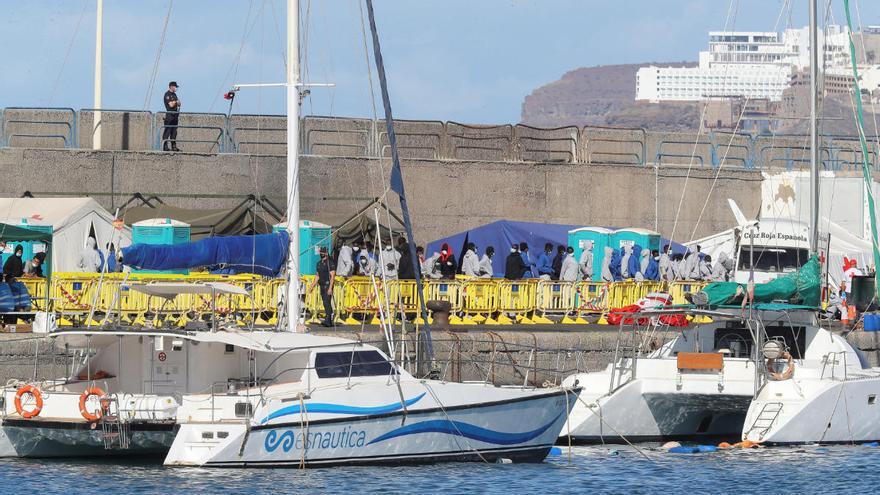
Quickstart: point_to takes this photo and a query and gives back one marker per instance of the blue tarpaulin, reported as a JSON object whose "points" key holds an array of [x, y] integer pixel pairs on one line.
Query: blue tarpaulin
{"points": [[262, 254], [503, 233]]}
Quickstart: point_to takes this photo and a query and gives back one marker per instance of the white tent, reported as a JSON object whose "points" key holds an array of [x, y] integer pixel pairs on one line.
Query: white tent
{"points": [[72, 221]]}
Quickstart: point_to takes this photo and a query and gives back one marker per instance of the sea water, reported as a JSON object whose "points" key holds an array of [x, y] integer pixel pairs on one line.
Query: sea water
{"points": [[599, 469]]}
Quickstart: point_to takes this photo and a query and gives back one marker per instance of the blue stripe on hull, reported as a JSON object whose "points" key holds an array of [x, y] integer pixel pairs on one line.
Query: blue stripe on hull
{"points": [[466, 430], [318, 407]]}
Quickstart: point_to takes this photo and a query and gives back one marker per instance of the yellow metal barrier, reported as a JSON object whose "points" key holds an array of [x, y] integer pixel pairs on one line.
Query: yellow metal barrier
{"points": [[480, 297], [517, 297], [445, 290], [555, 298], [678, 289], [592, 297], [489, 301]]}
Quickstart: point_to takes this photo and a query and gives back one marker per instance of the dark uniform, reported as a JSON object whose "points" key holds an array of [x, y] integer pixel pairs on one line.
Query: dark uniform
{"points": [[169, 135], [323, 269]]}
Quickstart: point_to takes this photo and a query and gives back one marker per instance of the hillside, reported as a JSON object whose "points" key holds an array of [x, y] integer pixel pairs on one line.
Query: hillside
{"points": [[605, 95]]}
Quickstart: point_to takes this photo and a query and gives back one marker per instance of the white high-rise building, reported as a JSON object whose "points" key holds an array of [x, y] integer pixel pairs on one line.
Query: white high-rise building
{"points": [[743, 64]]}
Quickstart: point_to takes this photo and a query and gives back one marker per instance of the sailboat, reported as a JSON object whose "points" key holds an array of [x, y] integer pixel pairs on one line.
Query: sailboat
{"points": [[825, 391], [316, 401]]}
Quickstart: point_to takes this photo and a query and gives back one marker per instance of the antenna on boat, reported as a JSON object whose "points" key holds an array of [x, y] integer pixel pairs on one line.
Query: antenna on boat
{"points": [[814, 129]]}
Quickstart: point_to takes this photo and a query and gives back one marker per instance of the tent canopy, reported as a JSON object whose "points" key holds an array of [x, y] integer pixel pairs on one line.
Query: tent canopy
{"points": [[502, 234], [241, 220], [11, 233], [362, 226], [72, 220]]}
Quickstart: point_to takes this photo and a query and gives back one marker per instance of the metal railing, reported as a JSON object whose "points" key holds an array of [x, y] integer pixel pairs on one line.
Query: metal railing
{"points": [[432, 140]]}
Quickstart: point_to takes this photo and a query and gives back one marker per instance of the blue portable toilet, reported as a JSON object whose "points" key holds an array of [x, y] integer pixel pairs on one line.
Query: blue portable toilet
{"points": [[601, 238], [160, 232], [30, 248], [312, 237], [647, 239]]}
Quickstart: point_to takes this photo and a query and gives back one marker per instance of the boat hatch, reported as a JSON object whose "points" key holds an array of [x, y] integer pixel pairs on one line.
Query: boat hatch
{"points": [[735, 336]]}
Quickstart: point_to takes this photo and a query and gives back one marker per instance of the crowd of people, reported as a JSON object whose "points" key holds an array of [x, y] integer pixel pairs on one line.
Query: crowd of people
{"points": [[630, 262]]}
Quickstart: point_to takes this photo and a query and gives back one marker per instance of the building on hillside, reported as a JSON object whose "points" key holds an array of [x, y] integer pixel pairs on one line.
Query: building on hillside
{"points": [[747, 64]]}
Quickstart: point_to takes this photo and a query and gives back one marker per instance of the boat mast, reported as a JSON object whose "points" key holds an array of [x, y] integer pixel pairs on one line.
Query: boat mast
{"points": [[292, 296], [99, 48], [814, 129]]}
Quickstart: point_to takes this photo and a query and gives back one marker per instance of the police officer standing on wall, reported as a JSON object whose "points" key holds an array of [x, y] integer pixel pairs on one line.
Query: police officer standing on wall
{"points": [[324, 279], [172, 112]]}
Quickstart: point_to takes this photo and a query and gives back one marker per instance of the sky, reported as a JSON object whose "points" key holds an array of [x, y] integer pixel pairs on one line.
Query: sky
{"points": [[461, 60]]}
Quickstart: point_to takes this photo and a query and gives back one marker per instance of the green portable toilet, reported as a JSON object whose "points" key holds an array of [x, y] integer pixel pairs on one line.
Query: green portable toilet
{"points": [[600, 236], [647, 239], [160, 232], [312, 236]]}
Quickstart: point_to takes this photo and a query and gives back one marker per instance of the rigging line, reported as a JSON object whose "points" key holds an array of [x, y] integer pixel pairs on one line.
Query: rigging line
{"points": [[865, 55], [278, 36], [235, 61], [779, 17], [155, 73], [731, 17], [67, 54], [720, 167]]}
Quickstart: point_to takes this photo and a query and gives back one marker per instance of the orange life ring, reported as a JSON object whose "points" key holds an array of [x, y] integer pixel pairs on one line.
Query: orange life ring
{"points": [[97, 415], [36, 394], [789, 368]]}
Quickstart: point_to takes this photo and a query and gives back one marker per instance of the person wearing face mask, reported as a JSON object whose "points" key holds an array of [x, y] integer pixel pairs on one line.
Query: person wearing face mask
{"points": [[470, 263], [366, 264], [545, 263], [345, 262], [513, 265], [389, 259], [90, 258], [586, 262], [14, 266], [486, 269], [665, 262], [446, 262], [531, 269], [324, 279], [570, 269]]}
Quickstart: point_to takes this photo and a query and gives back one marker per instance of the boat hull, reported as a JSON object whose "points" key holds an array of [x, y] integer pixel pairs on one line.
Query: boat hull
{"points": [[48, 438], [521, 430], [825, 412], [667, 406]]}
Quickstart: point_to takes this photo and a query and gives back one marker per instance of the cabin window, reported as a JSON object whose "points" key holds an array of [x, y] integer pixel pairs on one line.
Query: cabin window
{"points": [[772, 259], [347, 363], [244, 409], [872, 399]]}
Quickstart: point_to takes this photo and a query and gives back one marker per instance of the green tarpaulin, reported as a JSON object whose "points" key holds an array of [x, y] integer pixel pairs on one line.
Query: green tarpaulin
{"points": [[802, 287], [11, 233]]}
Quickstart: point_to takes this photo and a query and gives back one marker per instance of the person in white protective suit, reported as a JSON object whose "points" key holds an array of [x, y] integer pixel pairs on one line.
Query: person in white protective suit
{"points": [[606, 265], [486, 268], [586, 262], [570, 268], [470, 262], [345, 262], [390, 260]]}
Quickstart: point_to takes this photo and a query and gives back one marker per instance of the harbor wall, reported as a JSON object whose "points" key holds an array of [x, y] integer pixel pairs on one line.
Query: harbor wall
{"points": [[505, 357], [446, 196]]}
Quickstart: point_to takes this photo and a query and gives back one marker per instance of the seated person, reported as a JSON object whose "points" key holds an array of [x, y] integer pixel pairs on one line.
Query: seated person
{"points": [[34, 267]]}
